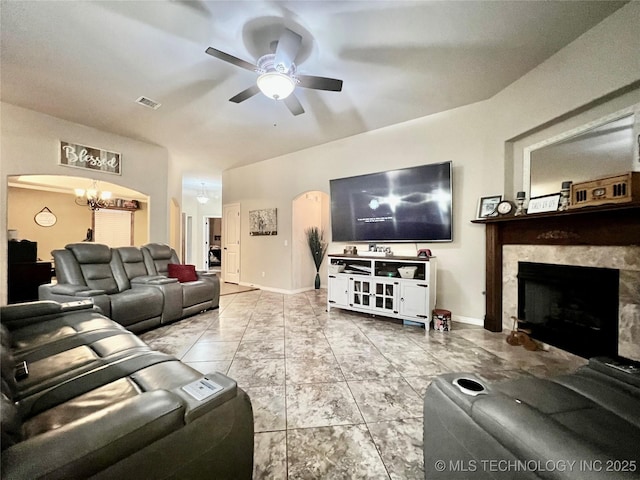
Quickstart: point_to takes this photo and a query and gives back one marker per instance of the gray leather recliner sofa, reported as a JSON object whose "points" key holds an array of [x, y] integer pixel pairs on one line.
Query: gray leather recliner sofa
{"points": [[118, 281], [128, 415], [584, 425], [197, 294]]}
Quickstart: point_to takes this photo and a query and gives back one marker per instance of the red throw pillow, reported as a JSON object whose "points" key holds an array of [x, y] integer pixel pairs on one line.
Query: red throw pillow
{"points": [[184, 273]]}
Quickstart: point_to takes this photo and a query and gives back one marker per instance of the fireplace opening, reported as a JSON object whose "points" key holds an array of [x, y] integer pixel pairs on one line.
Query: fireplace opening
{"points": [[570, 307]]}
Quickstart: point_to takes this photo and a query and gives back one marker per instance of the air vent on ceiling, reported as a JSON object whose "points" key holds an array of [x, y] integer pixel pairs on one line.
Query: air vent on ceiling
{"points": [[147, 102]]}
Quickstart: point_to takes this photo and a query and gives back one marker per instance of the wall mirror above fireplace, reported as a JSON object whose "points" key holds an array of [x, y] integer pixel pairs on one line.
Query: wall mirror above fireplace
{"points": [[607, 146]]}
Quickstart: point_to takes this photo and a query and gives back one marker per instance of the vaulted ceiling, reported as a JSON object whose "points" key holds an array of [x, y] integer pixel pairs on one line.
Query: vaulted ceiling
{"points": [[88, 62]]}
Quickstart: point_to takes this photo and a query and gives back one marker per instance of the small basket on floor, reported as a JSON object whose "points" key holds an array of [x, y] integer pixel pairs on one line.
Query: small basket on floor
{"points": [[441, 320]]}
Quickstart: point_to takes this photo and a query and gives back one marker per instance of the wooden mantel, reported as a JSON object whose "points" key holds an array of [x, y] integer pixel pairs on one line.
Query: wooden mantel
{"points": [[617, 225]]}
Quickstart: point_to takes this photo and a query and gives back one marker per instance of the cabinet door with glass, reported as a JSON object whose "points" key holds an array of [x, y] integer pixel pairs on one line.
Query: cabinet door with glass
{"points": [[361, 293], [385, 296]]}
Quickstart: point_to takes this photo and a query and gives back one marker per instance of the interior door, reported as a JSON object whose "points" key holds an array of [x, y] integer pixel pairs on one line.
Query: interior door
{"points": [[231, 243]]}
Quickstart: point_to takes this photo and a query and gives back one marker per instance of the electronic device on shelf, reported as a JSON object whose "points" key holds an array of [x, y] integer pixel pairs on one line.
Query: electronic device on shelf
{"points": [[363, 268]]}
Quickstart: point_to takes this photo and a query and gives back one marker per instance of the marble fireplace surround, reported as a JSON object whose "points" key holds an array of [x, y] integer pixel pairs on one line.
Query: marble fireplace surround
{"points": [[625, 259], [606, 236]]}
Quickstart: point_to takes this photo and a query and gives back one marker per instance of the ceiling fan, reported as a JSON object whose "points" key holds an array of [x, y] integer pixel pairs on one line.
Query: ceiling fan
{"points": [[277, 73]]}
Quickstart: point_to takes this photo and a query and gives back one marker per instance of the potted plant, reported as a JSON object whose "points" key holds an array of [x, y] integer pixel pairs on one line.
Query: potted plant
{"points": [[318, 248]]}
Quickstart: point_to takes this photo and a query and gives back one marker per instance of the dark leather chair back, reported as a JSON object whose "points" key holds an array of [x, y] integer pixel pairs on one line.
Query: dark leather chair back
{"points": [[94, 262], [157, 257]]}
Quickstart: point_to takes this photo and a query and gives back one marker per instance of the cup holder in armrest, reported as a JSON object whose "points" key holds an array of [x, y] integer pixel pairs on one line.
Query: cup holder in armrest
{"points": [[468, 386]]}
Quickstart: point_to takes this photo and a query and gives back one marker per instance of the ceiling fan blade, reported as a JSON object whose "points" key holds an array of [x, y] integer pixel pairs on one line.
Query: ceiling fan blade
{"points": [[245, 94], [320, 83], [231, 59], [287, 48], [293, 104]]}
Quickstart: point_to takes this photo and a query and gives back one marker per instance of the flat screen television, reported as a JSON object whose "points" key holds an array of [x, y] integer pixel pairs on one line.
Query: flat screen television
{"points": [[406, 205]]}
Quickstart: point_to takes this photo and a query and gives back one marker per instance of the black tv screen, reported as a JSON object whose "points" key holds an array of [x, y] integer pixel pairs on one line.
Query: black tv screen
{"points": [[406, 205]]}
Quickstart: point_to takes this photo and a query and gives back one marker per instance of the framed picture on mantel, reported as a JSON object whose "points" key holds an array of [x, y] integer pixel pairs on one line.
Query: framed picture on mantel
{"points": [[487, 206], [546, 203]]}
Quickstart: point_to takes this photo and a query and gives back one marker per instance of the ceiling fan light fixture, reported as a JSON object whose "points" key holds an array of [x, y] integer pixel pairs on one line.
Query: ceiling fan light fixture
{"points": [[276, 85]]}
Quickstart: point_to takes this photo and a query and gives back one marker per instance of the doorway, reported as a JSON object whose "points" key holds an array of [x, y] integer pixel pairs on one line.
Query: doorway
{"points": [[231, 243], [213, 243], [310, 209]]}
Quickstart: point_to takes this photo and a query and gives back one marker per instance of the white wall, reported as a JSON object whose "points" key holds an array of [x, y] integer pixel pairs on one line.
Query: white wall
{"points": [[474, 137], [433, 139], [601, 61], [30, 143], [199, 212]]}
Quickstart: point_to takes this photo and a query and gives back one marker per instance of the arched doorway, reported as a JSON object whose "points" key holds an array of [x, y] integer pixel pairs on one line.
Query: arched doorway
{"points": [[308, 209], [29, 194]]}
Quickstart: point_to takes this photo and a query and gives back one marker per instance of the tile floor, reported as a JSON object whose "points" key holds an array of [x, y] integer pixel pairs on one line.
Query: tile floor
{"points": [[337, 395]]}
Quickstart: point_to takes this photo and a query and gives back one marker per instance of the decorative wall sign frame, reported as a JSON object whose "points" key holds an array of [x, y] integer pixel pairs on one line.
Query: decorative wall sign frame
{"points": [[90, 158], [263, 222], [45, 218], [545, 203]]}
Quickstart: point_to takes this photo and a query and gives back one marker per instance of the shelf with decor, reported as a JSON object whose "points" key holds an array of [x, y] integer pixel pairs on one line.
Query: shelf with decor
{"points": [[393, 286]]}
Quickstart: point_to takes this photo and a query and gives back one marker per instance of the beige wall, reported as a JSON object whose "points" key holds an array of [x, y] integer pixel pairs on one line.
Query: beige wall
{"points": [[72, 220], [473, 137]]}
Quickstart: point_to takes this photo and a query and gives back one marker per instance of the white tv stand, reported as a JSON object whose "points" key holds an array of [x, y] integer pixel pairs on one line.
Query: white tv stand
{"points": [[373, 285]]}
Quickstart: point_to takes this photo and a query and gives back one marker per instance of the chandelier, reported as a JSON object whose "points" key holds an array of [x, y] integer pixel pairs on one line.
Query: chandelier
{"points": [[92, 197], [202, 197]]}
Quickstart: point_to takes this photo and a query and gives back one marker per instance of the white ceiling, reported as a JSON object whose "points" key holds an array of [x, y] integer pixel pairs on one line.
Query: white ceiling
{"points": [[88, 62]]}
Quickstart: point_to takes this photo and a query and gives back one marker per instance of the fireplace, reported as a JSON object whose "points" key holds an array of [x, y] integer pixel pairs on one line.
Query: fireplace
{"points": [[574, 308], [605, 237]]}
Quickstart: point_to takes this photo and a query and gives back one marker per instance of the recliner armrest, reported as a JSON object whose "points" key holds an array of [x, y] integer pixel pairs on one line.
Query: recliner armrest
{"points": [[204, 274], [197, 407], [152, 280], [21, 314], [75, 290], [84, 447], [19, 311]]}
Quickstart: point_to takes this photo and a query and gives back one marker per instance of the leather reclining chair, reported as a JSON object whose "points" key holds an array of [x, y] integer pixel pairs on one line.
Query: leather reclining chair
{"points": [[124, 416], [131, 270], [198, 295], [86, 270], [531, 428], [126, 285]]}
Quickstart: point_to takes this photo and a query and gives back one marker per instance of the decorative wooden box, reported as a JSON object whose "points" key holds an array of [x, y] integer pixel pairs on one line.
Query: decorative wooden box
{"points": [[617, 189]]}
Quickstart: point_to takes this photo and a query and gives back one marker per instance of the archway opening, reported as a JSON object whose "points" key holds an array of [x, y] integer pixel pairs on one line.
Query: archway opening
{"points": [[309, 209]]}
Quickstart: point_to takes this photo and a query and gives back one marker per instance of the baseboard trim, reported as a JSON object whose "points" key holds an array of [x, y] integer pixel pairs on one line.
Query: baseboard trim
{"points": [[278, 290], [468, 320]]}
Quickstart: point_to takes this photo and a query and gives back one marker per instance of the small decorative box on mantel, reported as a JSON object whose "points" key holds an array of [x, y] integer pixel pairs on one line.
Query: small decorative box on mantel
{"points": [[617, 189]]}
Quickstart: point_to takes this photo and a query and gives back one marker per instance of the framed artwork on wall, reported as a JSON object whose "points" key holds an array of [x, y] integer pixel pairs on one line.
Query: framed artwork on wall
{"points": [[263, 222]]}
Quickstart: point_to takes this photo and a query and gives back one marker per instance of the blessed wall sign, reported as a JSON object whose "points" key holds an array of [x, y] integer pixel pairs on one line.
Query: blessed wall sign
{"points": [[81, 156]]}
